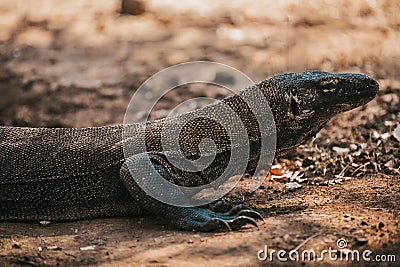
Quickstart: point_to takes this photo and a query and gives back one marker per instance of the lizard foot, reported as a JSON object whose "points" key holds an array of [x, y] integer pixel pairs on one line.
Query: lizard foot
{"points": [[204, 220]]}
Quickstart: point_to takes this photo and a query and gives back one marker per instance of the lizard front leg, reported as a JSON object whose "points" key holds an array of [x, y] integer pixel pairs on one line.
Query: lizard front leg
{"points": [[187, 218]]}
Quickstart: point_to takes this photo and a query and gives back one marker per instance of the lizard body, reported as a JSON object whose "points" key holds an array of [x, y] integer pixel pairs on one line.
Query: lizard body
{"points": [[63, 174]]}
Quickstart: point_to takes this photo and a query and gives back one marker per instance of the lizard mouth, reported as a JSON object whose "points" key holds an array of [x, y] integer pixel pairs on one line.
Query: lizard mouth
{"points": [[367, 94], [359, 99], [344, 106]]}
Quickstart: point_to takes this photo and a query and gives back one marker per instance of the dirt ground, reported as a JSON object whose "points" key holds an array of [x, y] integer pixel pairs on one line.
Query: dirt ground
{"points": [[77, 64]]}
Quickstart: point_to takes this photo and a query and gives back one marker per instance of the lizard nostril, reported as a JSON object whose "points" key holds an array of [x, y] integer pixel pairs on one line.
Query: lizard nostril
{"points": [[372, 83]]}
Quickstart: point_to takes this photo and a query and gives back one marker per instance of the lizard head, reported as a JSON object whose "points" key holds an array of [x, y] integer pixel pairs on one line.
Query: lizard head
{"points": [[303, 102]]}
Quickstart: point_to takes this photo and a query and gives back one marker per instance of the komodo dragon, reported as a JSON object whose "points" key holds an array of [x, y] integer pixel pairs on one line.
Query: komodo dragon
{"points": [[64, 174]]}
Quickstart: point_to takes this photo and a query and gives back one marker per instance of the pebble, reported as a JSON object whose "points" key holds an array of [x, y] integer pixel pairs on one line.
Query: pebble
{"points": [[293, 186], [86, 248], [361, 239], [340, 150], [44, 223]]}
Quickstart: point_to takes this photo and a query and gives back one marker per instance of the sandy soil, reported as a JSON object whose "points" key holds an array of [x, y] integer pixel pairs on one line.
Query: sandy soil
{"points": [[77, 64]]}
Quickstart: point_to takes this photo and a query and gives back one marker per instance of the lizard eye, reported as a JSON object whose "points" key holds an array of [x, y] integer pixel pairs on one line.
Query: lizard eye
{"points": [[329, 85], [294, 107]]}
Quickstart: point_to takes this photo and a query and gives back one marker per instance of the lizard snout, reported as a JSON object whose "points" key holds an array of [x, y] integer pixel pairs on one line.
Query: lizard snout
{"points": [[362, 87], [368, 86], [362, 90]]}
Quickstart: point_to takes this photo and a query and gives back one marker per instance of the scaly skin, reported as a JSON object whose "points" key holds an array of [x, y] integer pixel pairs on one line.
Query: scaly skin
{"points": [[64, 174]]}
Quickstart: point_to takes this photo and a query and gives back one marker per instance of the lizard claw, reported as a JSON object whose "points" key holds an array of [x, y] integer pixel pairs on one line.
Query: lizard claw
{"points": [[229, 225], [206, 220], [239, 221], [238, 208], [251, 213], [246, 211]]}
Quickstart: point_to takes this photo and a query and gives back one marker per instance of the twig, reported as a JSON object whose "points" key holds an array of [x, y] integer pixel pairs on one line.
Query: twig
{"points": [[306, 240], [342, 172], [362, 166]]}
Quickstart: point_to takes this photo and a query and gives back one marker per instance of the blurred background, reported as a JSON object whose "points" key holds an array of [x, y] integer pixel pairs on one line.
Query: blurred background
{"points": [[77, 63]]}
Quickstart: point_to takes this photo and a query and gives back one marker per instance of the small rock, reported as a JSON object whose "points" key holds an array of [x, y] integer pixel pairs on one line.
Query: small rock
{"points": [[340, 149], [291, 186], [87, 248], [361, 240], [385, 136], [346, 215], [363, 223], [353, 147], [375, 135], [381, 225], [44, 223], [286, 237]]}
